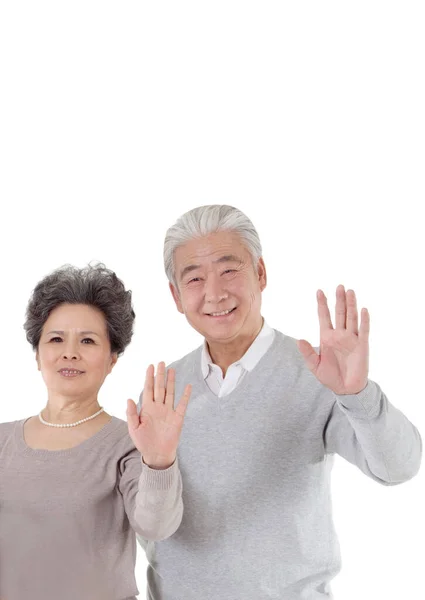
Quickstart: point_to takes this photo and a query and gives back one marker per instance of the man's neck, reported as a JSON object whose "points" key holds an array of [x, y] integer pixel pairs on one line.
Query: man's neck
{"points": [[225, 354]]}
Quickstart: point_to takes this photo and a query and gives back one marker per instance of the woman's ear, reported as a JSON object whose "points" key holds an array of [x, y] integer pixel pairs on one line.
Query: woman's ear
{"points": [[114, 358]]}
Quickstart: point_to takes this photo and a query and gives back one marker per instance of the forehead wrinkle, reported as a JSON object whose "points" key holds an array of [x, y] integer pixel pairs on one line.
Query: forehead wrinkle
{"points": [[222, 259], [61, 332], [228, 258], [229, 248]]}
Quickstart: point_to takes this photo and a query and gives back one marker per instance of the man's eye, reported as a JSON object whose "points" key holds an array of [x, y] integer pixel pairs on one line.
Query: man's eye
{"points": [[194, 279], [229, 271]]}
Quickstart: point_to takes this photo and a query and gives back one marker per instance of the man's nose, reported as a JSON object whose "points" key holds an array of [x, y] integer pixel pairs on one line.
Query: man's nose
{"points": [[214, 290]]}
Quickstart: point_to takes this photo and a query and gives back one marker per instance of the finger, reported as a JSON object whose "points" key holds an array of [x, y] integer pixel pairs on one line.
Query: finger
{"points": [[364, 325], [140, 403], [159, 388], [169, 392], [184, 401], [352, 314], [148, 389], [340, 308], [310, 355], [323, 311], [132, 415]]}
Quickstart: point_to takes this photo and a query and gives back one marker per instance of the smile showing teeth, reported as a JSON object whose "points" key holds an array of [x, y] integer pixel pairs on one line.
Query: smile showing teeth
{"points": [[221, 314], [69, 372]]}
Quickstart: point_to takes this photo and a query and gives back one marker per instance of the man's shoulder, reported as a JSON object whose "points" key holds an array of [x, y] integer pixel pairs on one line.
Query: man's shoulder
{"points": [[282, 343], [185, 368], [287, 352], [285, 347], [187, 361]]}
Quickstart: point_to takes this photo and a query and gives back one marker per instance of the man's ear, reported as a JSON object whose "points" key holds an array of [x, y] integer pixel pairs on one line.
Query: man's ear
{"points": [[176, 297], [262, 273]]}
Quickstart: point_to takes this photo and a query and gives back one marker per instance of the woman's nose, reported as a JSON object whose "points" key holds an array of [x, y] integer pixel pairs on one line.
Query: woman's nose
{"points": [[70, 353]]}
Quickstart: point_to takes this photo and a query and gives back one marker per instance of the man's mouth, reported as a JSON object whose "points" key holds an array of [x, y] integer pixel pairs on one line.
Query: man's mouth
{"points": [[222, 313], [70, 372]]}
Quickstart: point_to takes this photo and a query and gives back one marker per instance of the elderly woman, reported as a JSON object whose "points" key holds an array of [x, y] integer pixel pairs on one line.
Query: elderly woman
{"points": [[74, 488]]}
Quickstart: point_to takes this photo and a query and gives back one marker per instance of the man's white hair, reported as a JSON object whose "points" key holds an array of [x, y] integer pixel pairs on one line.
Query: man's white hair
{"points": [[202, 221]]}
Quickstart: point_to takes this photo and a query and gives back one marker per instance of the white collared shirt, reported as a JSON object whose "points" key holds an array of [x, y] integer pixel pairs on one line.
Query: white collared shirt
{"points": [[213, 375]]}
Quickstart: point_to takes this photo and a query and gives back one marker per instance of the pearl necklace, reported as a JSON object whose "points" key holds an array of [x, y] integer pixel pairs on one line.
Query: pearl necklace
{"points": [[69, 424]]}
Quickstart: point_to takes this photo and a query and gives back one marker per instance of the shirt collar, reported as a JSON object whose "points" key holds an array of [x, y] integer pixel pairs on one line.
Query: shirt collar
{"points": [[247, 361]]}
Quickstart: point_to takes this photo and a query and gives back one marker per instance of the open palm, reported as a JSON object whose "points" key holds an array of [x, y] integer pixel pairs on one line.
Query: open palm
{"points": [[156, 430], [343, 362]]}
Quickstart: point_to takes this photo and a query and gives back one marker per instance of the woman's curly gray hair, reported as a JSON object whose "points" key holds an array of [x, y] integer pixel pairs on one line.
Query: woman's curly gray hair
{"points": [[95, 286]]}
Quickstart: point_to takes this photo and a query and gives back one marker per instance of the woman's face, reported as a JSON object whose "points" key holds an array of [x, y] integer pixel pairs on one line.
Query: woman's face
{"points": [[74, 353]]}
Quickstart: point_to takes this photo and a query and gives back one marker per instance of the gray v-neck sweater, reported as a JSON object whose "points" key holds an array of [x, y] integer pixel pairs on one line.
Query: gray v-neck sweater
{"points": [[256, 468], [68, 517]]}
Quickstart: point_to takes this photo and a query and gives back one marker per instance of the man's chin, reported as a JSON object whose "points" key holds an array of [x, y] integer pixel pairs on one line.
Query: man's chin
{"points": [[216, 331], [213, 334], [222, 336]]}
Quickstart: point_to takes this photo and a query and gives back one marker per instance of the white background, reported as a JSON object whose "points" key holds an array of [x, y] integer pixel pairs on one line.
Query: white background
{"points": [[116, 118]]}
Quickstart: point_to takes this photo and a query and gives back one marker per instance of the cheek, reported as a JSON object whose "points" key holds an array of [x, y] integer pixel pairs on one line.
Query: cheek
{"points": [[46, 357], [101, 365], [244, 290], [191, 300], [240, 286], [95, 360]]}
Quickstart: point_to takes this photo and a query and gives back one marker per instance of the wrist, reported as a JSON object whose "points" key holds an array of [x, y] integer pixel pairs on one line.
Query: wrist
{"points": [[158, 462], [355, 391]]}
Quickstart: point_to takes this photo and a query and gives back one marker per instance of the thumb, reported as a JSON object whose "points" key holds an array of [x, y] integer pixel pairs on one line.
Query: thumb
{"points": [[310, 355], [132, 415]]}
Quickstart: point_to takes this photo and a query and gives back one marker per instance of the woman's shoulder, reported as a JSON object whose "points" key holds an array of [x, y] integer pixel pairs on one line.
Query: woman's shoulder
{"points": [[9, 426], [122, 440], [7, 430], [120, 426]]}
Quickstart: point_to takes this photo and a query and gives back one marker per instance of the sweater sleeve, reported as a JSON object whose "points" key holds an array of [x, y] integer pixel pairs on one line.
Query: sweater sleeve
{"points": [[152, 498], [372, 434]]}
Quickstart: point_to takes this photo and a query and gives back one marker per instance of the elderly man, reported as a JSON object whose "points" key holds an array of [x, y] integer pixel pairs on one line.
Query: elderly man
{"points": [[267, 415]]}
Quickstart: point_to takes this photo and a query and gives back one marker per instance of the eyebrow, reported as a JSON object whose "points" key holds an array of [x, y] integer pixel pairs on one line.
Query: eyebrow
{"points": [[81, 332], [222, 259]]}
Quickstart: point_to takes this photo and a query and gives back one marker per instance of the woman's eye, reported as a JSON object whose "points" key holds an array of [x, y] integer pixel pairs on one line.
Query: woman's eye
{"points": [[229, 271], [56, 339], [88, 340]]}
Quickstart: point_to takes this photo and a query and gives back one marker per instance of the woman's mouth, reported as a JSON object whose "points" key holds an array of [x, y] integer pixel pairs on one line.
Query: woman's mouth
{"points": [[70, 372]]}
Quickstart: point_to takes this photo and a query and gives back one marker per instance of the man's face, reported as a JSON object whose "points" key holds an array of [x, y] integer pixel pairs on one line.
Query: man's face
{"points": [[218, 287]]}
